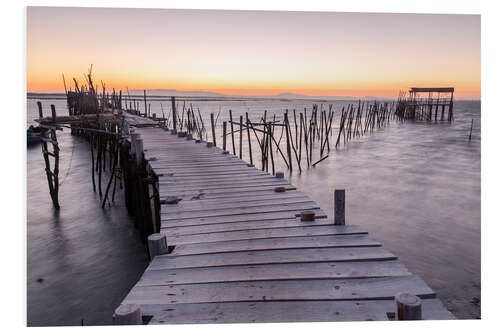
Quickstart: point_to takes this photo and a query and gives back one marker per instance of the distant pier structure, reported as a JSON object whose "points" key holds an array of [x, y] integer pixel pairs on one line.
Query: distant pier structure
{"points": [[426, 104]]}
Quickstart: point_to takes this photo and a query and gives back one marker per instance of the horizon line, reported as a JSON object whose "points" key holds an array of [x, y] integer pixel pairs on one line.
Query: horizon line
{"points": [[222, 95]]}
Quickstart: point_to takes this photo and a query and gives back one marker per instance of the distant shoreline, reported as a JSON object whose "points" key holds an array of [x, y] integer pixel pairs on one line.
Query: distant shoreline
{"points": [[62, 96]]}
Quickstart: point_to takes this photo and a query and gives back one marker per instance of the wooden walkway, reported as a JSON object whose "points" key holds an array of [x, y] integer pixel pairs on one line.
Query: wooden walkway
{"points": [[241, 254]]}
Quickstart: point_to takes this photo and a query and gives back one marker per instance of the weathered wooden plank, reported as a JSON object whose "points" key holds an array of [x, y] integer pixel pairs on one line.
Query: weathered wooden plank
{"points": [[194, 164], [253, 193], [252, 221], [285, 290], [226, 185], [239, 210], [289, 271], [177, 228], [263, 216], [201, 205], [198, 181], [165, 191], [204, 175], [292, 311], [241, 171], [259, 233], [271, 257], [276, 243], [271, 196], [188, 170], [166, 177], [212, 175]]}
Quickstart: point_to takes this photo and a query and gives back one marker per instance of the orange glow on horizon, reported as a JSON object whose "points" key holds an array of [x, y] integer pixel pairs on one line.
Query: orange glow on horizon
{"points": [[253, 53]]}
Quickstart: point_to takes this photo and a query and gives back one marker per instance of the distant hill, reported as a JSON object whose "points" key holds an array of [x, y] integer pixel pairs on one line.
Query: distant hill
{"points": [[299, 96], [212, 95], [174, 92], [197, 93]]}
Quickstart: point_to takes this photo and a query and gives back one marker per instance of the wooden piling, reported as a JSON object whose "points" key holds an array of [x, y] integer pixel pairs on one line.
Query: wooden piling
{"points": [[249, 140], [224, 130], [408, 307], [339, 207], [128, 314], [213, 128], [174, 116], [157, 245], [241, 137], [232, 131], [288, 146], [470, 133], [139, 151]]}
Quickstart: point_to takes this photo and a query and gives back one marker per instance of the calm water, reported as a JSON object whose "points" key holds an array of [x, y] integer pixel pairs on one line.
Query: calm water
{"points": [[415, 187]]}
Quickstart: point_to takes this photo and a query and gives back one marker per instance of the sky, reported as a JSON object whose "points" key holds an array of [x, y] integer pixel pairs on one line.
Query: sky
{"points": [[254, 52]]}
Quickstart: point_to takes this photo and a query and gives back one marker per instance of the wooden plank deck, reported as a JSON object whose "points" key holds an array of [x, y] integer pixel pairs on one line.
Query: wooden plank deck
{"points": [[242, 255]]}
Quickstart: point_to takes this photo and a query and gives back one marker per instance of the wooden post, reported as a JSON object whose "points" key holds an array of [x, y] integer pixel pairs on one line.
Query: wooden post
{"points": [[224, 130], [157, 245], [53, 109], [408, 307], [128, 314], [40, 111], [174, 116], [133, 137], [470, 133], [241, 137], [450, 109], [145, 104], [139, 150], [154, 204], [288, 147], [232, 131], [213, 128], [339, 207], [249, 142]]}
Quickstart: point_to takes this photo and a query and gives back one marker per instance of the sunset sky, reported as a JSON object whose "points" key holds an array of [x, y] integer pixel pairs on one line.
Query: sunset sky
{"points": [[253, 52]]}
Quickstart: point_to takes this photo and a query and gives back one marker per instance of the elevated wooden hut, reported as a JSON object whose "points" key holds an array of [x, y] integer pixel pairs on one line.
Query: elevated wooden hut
{"points": [[427, 103]]}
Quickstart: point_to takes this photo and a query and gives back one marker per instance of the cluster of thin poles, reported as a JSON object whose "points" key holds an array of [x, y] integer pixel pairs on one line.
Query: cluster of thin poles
{"points": [[293, 138], [103, 135]]}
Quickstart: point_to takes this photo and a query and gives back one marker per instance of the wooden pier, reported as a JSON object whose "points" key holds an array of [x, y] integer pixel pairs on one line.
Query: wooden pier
{"points": [[232, 248]]}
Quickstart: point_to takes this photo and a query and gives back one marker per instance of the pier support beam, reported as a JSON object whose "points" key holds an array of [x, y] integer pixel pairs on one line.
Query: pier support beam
{"points": [[139, 151], [128, 314], [339, 207], [408, 307]]}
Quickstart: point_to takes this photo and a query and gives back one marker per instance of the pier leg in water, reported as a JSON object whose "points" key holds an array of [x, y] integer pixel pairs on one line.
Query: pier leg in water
{"points": [[408, 307], [339, 207], [157, 245], [128, 314]]}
